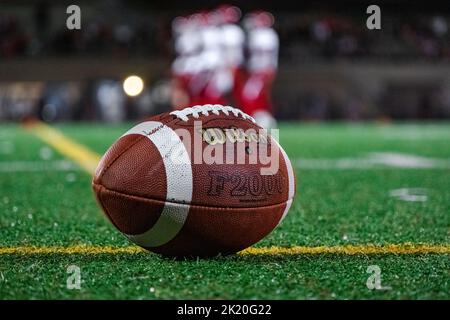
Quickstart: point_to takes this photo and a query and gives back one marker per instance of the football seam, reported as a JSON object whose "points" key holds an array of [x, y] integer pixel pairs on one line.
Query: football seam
{"points": [[105, 209], [130, 146], [188, 204]]}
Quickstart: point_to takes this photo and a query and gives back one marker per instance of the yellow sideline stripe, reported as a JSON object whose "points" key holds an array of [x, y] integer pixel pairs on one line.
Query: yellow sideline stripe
{"points": [[405, 248], [80, 154]]}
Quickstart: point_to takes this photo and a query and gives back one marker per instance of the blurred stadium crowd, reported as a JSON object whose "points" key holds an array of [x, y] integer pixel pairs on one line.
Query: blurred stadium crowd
{"points": [[228, 56], [323, 35]]}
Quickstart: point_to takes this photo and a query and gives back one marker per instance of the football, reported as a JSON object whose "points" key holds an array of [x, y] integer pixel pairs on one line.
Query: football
{"points": [[201, 181]]}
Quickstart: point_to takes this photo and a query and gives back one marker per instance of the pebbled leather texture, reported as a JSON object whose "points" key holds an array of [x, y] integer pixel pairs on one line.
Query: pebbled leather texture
{"points": [[233, 206]]}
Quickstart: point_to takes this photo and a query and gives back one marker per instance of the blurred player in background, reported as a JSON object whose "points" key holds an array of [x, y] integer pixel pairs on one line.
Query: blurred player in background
{"points": [[199, 68], [186, 66], [216, 80], [209, 48], [254, 93], [211, 65], [233, 43]]}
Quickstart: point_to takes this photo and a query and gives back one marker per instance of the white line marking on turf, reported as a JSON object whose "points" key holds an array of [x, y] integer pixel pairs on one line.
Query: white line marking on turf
{"points": [[374, 160], [45, 153], [410, 194], [416, 133], [37, 166], [401, 160]]}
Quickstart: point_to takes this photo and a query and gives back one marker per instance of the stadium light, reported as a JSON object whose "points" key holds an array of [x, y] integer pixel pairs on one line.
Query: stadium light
{"points": [[133, 85]]}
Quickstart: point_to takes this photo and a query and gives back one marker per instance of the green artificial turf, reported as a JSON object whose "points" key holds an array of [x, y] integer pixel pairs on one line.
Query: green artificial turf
{"points": [[333, 207]]}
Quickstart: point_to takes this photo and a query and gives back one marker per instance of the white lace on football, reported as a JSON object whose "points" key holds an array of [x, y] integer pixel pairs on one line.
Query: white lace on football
{"points": [[195, 111]]}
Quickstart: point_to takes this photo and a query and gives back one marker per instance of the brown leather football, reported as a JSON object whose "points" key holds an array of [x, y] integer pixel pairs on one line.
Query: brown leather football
{"points": [[194, 182]]}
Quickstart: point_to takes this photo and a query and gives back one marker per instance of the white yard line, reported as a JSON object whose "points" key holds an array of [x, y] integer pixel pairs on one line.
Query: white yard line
{"points": [[410, 194], [37, 166], [374, 160]]}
